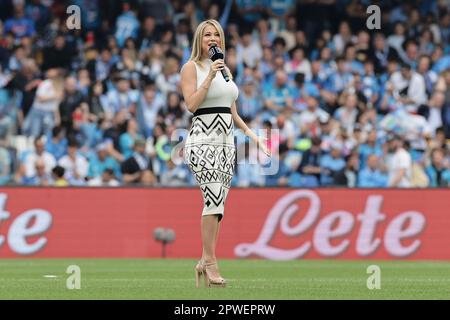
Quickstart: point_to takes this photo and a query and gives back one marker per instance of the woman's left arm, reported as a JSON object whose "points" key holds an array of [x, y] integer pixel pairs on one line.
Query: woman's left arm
{"points": [[260, 141], [238, 120]]}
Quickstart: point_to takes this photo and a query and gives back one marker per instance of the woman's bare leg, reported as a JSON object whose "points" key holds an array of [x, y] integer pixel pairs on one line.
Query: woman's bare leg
{"points": [[210, 230]]}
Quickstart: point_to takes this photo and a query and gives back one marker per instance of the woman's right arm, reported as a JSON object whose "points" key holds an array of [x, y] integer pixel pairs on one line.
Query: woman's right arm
{"points": [[193, 96]]}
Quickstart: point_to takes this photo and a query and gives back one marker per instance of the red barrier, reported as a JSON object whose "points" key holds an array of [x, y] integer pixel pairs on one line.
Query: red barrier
{"points": [[267, 223]]}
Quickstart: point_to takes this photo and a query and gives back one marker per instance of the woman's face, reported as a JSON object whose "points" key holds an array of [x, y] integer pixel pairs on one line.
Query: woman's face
{"points": [[210, 36]]}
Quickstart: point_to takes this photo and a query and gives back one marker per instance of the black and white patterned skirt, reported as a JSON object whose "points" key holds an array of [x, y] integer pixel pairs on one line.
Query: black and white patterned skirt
{"points": [[210, 153]]}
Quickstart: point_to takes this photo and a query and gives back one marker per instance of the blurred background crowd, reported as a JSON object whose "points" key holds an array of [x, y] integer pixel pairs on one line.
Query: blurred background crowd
{"points": [[99, 105]]}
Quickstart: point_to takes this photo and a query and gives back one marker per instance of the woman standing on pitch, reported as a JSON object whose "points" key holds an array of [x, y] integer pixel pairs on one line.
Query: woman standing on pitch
{"points": [[209, 150]]}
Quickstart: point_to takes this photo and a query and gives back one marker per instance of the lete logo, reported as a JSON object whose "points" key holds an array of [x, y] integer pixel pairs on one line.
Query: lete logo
{"points": [[21, 228], [336, 224]]}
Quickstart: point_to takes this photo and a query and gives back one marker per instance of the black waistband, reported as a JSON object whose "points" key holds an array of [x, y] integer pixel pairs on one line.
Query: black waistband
{"points": [[212, 110]]}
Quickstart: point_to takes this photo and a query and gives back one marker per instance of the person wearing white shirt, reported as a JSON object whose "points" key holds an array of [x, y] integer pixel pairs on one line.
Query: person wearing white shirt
{"points": [[309, 118], [44, 113], [122, 97], [248, 51], [29, 161], [298, 63], [409, 88], [399, 164], [75, 165]]}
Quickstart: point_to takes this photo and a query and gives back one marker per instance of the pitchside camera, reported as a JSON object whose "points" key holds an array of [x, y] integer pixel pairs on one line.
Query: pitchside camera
{"points": [[165, 236]]}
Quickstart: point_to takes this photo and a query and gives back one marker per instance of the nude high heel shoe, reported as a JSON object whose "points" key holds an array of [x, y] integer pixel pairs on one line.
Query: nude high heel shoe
{"points": [[199, 273], [212, 281]]}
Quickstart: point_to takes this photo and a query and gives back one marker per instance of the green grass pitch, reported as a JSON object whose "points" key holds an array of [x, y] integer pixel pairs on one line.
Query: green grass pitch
{"points": [[170, 279]]}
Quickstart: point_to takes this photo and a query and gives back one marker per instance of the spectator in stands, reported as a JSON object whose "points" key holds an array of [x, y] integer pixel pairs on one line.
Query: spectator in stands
{"points": [[75, 165], [250, 11], [331, 164], [399, 163], [128, 138], [287, 130], [382, 53], [439, 169], [174, 112], [298, 63], [341, 79], [265, 66], [97, 100], [248, 50], [39, 13], [372, 176], [249, 101], [30, 157], [411, 53], [343, 38], [409, 88], [138, 168], [310, 165], [25, 83], [102, 160], [348, 177], [279, 97], [59, 55], [430, 77], [264, 33], [58, 176], [433, 111], [309, 119], [100, 67], [169, 79], [84, 82], [348, 113], [44, 113], [107, 179], [369, 147], [127, 25], [147, 34], [40, 176], [149, 104], [20, 26], [353, 63], [174, 175], [397, 39], [57, 145], [6, 165], [16, 59], [122, 98], [72, 100]]}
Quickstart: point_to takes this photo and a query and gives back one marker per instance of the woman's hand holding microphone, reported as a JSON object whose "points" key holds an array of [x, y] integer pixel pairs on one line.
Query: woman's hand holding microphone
{"points": [[217, 65], [214, 67]]}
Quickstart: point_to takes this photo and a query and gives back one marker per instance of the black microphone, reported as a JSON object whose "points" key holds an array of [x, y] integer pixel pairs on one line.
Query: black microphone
{"points": [[216, 53]]}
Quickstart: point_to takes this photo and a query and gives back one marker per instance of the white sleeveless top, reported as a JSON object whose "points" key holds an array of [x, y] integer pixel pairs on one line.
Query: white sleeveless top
{"points": [[220, 92]]}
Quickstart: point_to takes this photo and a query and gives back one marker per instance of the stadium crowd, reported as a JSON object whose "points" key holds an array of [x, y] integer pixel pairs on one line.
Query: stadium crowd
{"points": [[101, 105]]}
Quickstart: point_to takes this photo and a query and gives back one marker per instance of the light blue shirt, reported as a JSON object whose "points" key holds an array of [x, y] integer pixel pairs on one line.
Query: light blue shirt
{"points": [[372, 179]]}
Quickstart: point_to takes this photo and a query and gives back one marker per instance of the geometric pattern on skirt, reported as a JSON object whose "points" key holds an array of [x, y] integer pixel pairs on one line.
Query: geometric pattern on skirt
{"points": [[210, 154]]}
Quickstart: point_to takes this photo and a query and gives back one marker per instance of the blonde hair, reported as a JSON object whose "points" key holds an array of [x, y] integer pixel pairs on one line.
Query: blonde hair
{"points": [[196, 54]]}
